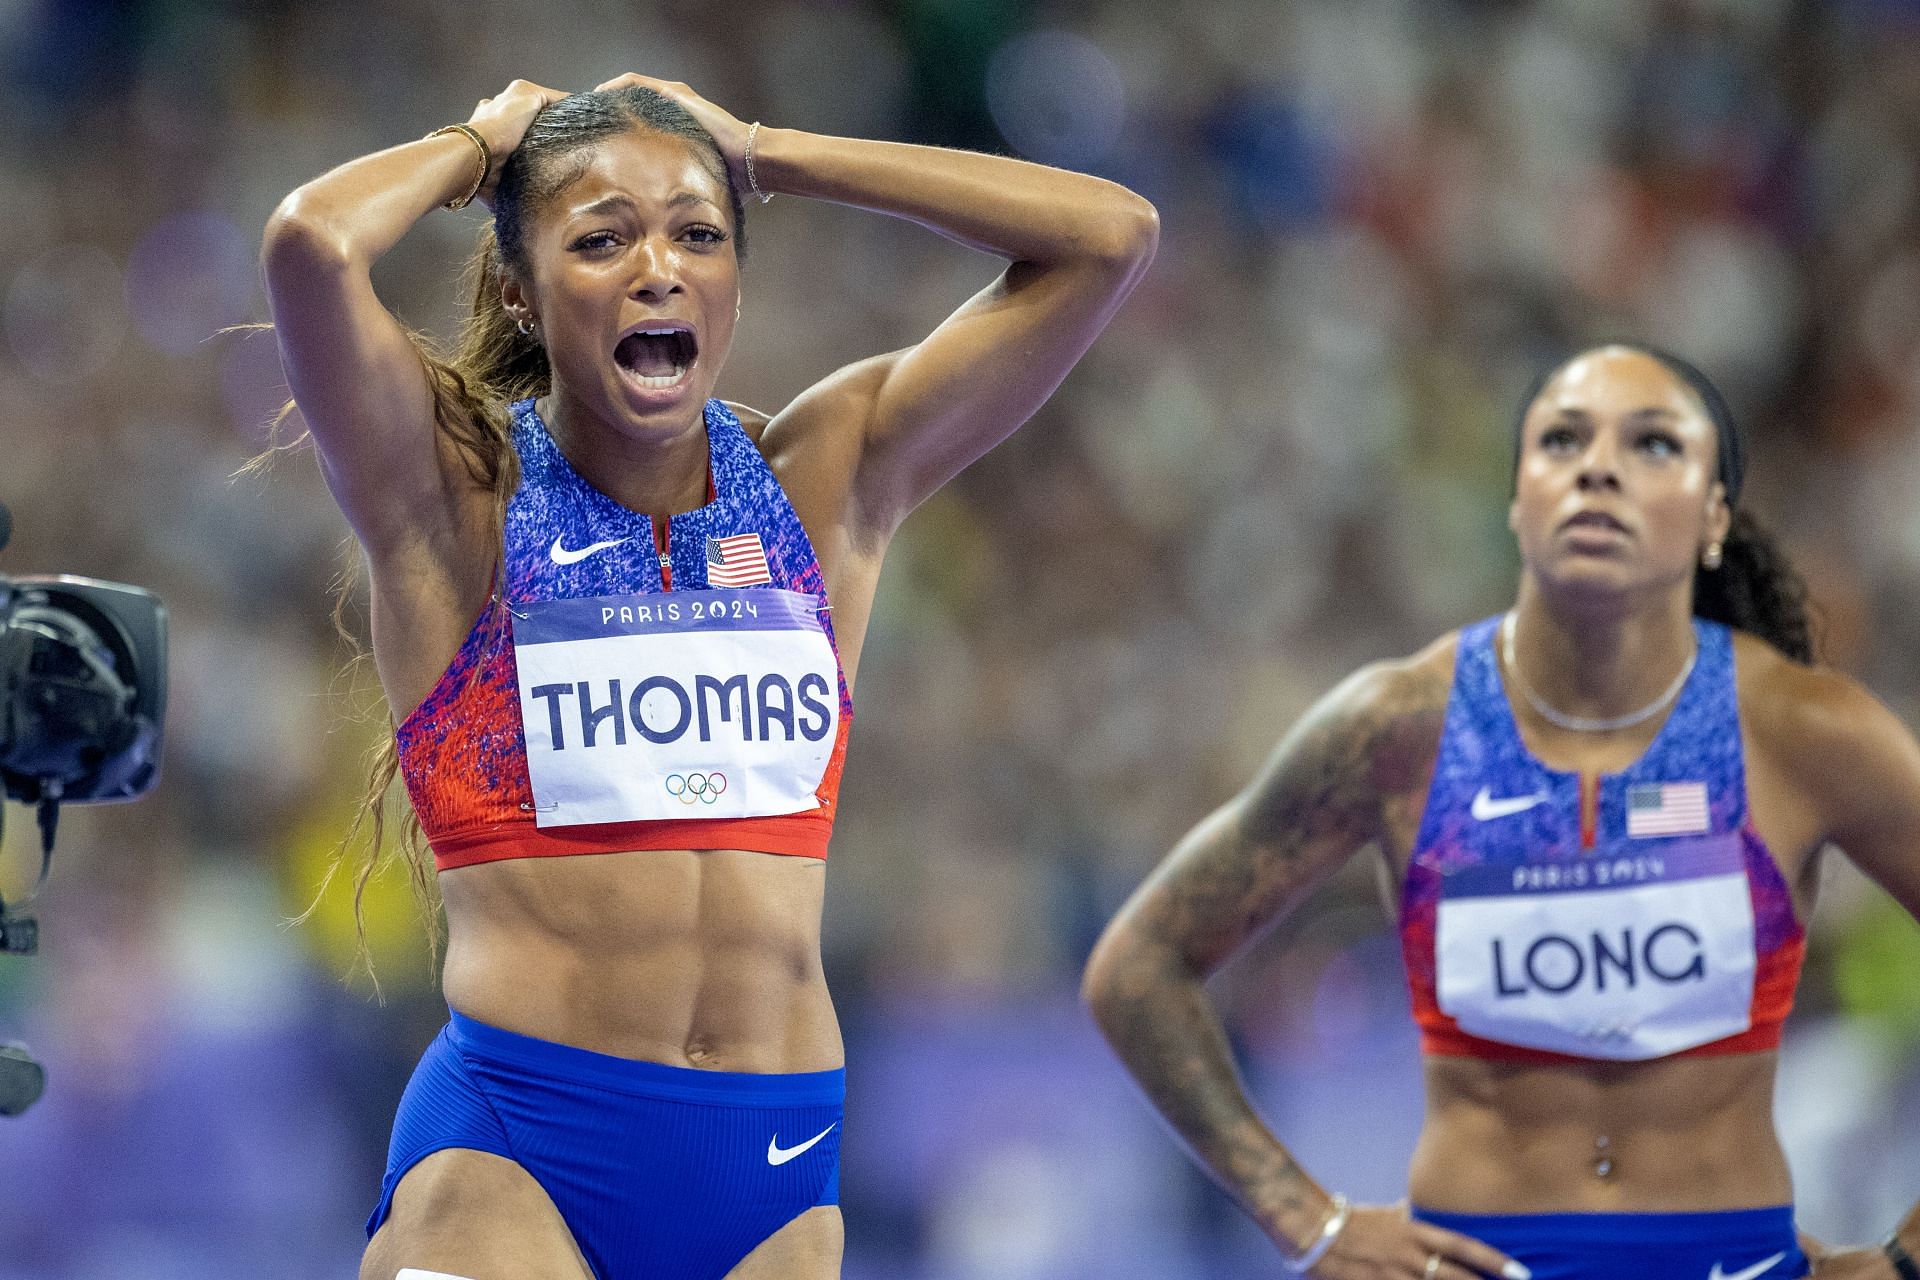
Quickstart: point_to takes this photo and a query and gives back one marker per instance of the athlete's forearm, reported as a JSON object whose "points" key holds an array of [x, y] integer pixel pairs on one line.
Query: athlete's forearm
{"points": [[354, 214], [359, 211], [1155, 1013], [1022, 211]]}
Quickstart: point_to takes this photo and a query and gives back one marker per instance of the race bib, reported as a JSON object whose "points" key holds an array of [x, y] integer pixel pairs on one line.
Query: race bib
{"points": [[1626, 957], [687, 704]]}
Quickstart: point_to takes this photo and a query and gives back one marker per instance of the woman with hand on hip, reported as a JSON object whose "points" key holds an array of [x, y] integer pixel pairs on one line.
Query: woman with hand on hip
{"points": [[600, 615], [1604, 811]]}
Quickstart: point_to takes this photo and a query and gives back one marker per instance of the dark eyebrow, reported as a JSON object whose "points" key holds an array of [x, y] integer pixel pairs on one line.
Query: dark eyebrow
{"points": [[622, 201], [1652, 413], [605, 204]]}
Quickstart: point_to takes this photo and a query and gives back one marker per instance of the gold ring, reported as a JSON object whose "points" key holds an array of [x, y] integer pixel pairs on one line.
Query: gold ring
{"points": [[1433, 1265]]}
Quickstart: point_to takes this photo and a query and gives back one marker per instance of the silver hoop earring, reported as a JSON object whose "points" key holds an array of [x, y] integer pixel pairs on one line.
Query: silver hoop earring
{"points": [[1711, 559], [525, 327]]}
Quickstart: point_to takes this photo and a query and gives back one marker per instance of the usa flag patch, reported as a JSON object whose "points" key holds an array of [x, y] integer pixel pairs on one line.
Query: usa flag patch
{"points": [[738, 561], [1666, 809]]}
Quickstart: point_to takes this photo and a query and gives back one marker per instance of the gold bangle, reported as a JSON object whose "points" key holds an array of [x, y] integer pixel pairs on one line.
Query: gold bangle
{"points": [[753, 182], [480, 174]]}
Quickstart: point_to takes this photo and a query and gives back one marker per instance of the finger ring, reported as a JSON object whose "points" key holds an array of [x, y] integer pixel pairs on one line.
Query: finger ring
{"points": [[1433, 1266]]}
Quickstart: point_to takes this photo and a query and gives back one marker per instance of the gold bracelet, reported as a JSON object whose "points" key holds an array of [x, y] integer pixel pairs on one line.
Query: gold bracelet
{"points": [[752, 181], [480, 175]]}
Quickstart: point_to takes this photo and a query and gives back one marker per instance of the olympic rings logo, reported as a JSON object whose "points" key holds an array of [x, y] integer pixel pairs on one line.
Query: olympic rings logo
{"points": [[696, 788]]}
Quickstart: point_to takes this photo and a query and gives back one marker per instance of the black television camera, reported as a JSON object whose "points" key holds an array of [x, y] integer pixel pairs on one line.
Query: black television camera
{"points": [[83, 690]]}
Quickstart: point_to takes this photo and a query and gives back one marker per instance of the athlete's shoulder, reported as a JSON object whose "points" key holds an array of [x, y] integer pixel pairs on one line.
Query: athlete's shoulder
{"points": [[837, 408], [1855, 763], [1798, 705], [1824, 727], [1418, 680], [1394, 711], [823, 424]]}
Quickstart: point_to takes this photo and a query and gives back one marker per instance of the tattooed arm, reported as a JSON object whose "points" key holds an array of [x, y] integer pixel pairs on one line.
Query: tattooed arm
{"points": [[1338, 782]]}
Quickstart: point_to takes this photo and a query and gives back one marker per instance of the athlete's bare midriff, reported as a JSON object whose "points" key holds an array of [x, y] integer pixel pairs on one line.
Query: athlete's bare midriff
{"points": [[706, 958], [1678, 1135]]}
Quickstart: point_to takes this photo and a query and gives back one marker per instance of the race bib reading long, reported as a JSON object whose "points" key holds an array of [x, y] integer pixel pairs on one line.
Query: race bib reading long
{"points": [[1623, 957], [689, 704]]}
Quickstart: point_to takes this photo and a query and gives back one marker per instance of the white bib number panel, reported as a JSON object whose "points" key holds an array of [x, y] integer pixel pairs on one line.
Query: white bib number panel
{"points": [[1624, 958], [685, 704]]}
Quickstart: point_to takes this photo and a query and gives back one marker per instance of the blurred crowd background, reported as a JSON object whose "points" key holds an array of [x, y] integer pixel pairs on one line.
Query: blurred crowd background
{"points": [[1287, 457]]}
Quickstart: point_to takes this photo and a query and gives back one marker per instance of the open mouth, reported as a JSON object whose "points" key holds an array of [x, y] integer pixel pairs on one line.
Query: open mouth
{"points": [[657, 358]]}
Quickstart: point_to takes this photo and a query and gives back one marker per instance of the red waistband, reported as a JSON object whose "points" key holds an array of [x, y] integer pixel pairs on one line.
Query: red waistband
{"points": [[799, 835], [1451, 1042]]}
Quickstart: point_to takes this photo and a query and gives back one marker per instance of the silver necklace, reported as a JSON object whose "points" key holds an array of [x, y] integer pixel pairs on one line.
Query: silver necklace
{"points": [[1581, 724]]}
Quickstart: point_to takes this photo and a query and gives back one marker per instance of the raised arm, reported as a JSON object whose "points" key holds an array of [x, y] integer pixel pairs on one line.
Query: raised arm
{"points": [[354, 372], [1325, 794], [1075, 245]]}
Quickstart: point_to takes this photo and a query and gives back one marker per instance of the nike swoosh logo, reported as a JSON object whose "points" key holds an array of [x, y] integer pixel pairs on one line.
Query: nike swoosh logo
{"points": [[1745, 1273], [1486, 808], [776, 1154], [561, 555]]}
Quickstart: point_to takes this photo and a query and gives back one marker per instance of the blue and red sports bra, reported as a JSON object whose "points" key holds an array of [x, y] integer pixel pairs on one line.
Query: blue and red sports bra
{"points": [[644, 682], [1552, 916]]}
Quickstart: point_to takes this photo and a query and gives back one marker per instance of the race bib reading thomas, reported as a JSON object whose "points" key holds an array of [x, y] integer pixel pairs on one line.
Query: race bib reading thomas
{"points": [[1627, 957], [690, 704]]}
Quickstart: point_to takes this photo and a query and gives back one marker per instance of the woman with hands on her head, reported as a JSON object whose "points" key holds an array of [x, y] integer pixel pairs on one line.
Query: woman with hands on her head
{"points": [[600, 606], [1604, 812]]}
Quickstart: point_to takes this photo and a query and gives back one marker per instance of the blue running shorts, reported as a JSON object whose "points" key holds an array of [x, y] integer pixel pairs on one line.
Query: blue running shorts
{"points": [[1737, 1244], [661, 1172]]}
